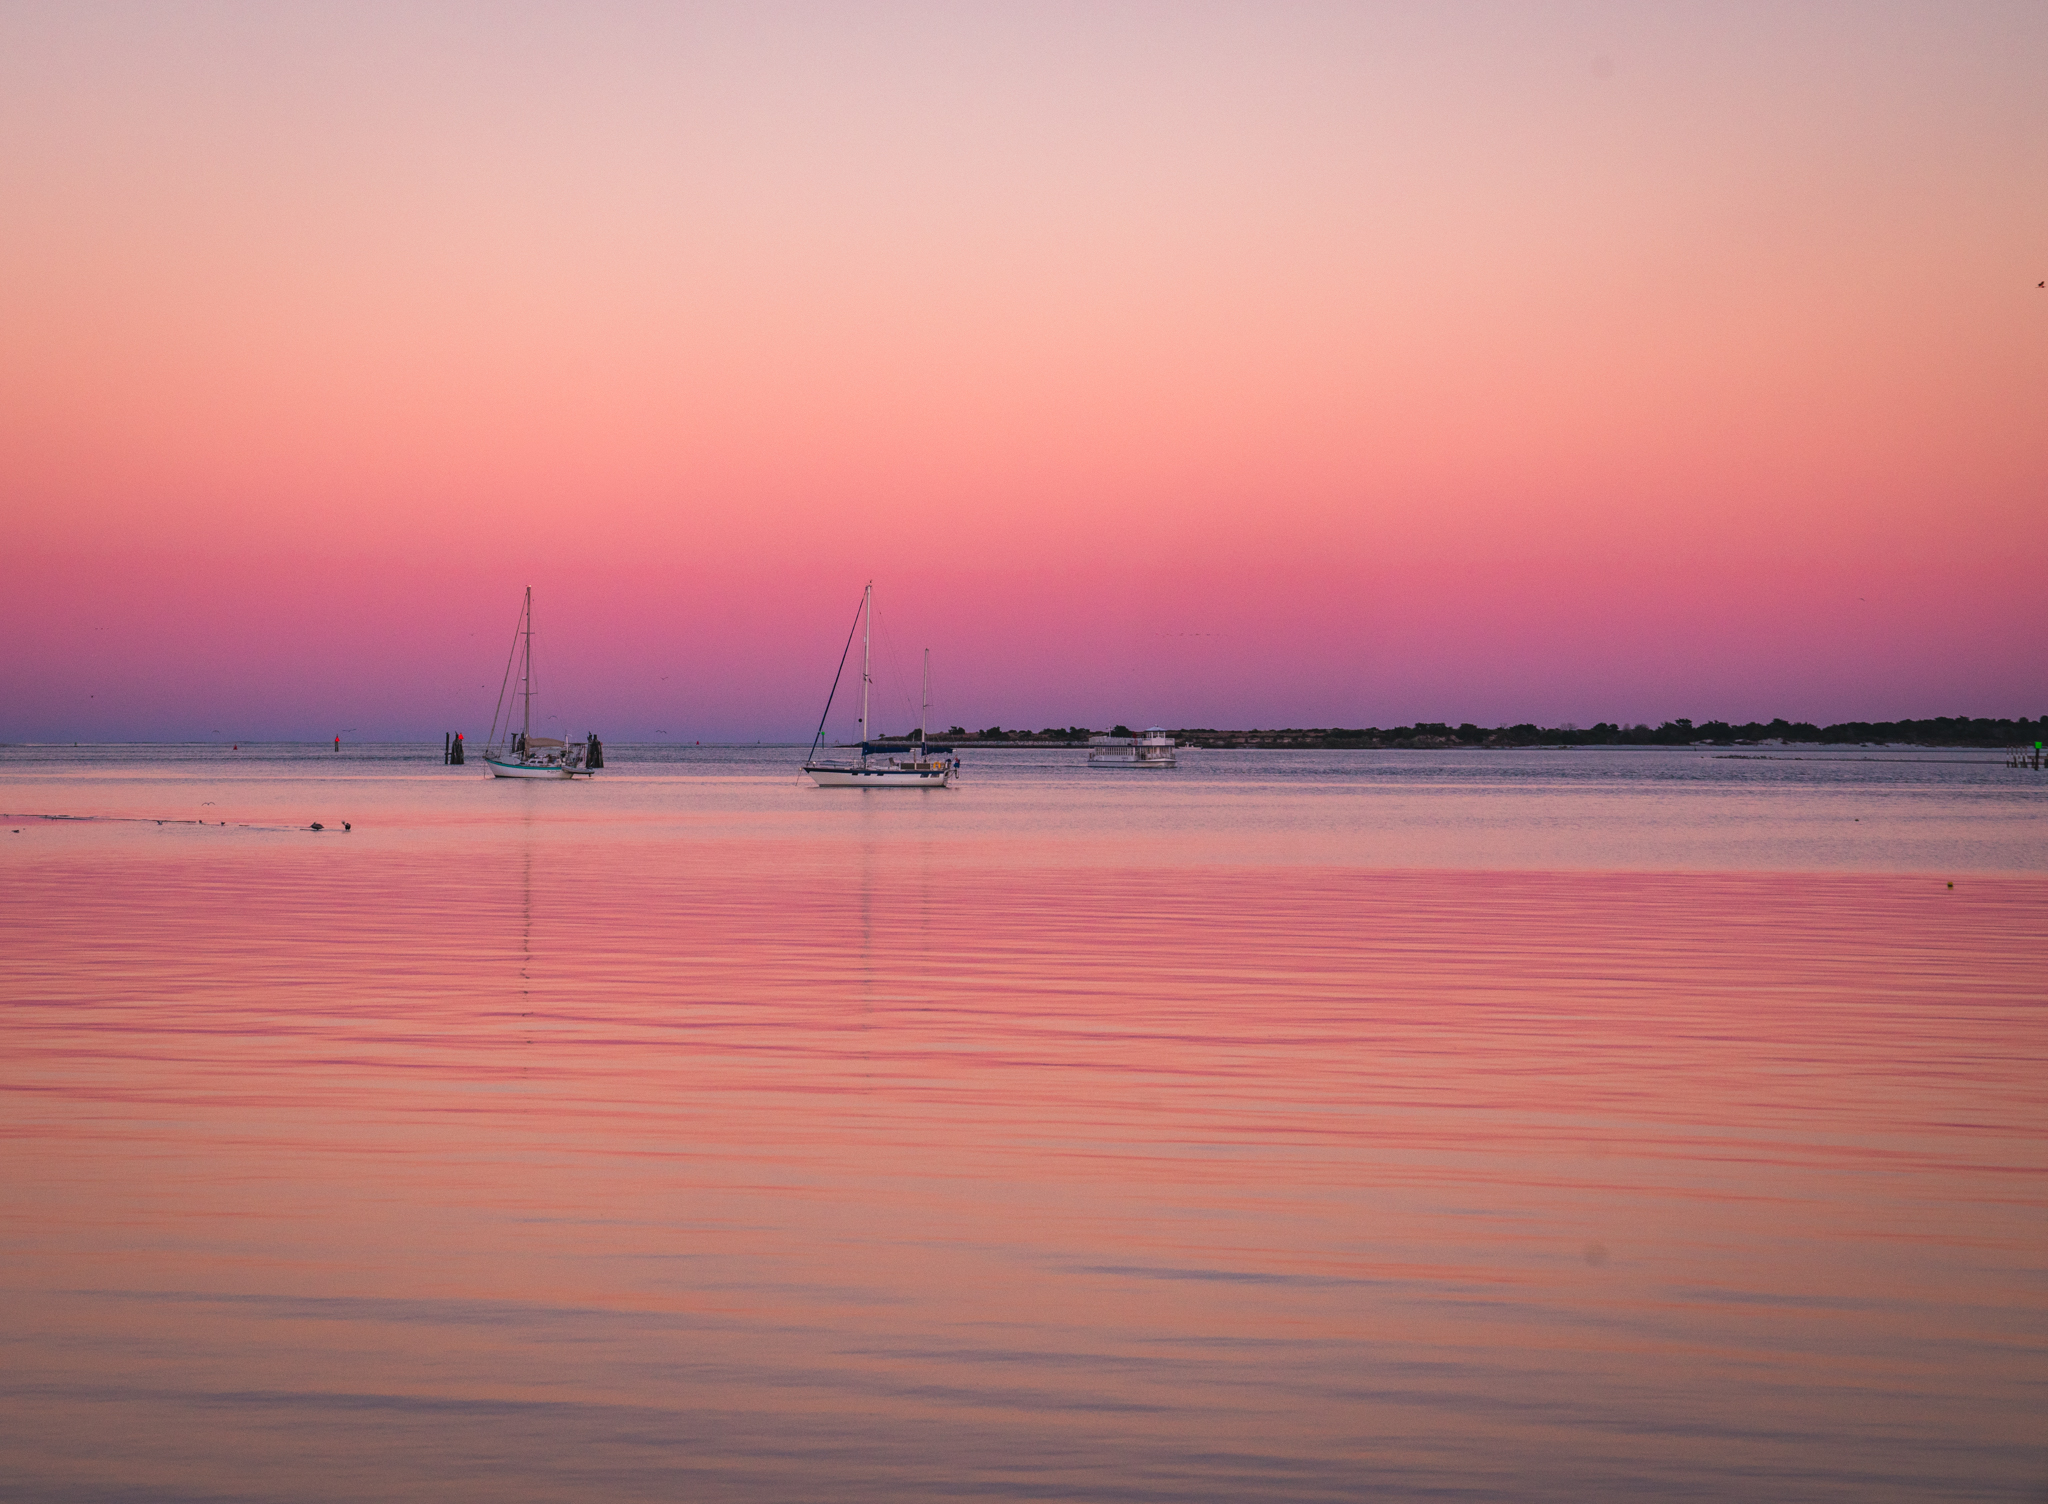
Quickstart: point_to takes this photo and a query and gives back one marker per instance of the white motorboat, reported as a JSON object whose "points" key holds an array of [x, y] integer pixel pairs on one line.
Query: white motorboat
{"points": [[524, 755], [1152, 750], [886, 764]]}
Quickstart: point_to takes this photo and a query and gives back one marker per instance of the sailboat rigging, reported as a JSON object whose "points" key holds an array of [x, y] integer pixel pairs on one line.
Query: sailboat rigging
{"points": [[522, 754], [890, 763]]}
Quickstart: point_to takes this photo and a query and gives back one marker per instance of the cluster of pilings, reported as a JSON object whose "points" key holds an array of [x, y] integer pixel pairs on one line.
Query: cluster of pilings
{"points": [[451, 748], [2026, 757]]}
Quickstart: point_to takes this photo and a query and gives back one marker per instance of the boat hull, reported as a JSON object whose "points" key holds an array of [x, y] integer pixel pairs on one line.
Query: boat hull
{"points": [[501, 769], [878, 778], [1130, 762]]}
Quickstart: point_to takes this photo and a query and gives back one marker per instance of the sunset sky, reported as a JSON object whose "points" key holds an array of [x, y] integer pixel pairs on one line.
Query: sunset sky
{"points": [[1230, 365]]}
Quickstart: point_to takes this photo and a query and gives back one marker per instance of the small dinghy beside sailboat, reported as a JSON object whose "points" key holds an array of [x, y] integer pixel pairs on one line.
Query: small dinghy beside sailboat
{"points": [[887, 764], [524, 755]]}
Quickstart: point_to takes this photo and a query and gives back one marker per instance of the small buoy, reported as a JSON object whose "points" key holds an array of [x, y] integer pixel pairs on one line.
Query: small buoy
{"points": [[346, 826], [316, 825], [1951, 885]]}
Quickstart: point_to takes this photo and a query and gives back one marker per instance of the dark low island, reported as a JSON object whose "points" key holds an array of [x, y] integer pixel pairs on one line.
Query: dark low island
{"points": [[1940, 731]]}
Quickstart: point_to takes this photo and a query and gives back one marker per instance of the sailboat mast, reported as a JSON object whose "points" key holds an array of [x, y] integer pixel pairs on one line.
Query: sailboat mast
{"points": [[924, 705], [867, 641], [526, 737]]}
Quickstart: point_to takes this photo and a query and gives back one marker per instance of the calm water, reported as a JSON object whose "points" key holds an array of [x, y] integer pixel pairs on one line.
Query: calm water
{"points": [[1591, 1126]]}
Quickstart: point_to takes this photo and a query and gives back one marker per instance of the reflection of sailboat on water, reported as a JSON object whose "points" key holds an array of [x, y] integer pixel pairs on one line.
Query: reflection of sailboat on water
{"points": [[525, 755], [889, 764]]}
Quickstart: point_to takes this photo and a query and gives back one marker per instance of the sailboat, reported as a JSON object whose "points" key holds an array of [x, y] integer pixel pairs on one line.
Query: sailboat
{"points": [[524, 755], [888, 764]]}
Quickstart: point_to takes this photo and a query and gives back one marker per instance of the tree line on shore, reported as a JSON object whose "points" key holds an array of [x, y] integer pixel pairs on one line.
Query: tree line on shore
{"points": [[1939, 731]]}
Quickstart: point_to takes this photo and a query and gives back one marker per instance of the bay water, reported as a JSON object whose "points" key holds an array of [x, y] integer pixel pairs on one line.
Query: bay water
{"points": [[1593, 1125]]}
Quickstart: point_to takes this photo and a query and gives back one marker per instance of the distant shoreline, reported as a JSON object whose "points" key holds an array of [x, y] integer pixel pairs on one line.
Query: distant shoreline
{"points": [[1940, 731]]}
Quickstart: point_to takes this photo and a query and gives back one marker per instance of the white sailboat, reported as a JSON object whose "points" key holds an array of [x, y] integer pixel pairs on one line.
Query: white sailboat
{"points": [[523, 754], [899, 764]]}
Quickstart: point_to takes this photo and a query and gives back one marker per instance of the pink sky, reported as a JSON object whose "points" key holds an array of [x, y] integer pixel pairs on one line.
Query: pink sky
{"points": [[1210, 365]]}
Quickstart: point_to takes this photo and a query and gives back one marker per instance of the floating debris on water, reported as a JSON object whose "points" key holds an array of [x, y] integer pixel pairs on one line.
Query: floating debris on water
{"points": [[153, 820]]}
